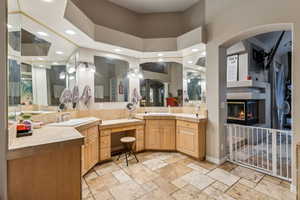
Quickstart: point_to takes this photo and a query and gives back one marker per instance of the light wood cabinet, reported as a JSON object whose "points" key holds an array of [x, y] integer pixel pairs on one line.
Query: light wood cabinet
{"points": [[160, 134], [190, 138], [90, 149], [105, 145]]}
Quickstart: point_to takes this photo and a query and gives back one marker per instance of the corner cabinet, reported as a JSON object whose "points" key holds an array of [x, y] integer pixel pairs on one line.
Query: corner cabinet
{"points": [[90, 149], [160, 134], [190, 138]]}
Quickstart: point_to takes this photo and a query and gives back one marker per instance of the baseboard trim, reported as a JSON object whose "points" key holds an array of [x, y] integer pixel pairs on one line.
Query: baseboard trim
{"points": [[216, 160]]}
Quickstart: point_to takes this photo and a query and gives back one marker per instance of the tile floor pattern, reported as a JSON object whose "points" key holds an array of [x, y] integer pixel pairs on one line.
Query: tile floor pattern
{"points": [[173, 176]]}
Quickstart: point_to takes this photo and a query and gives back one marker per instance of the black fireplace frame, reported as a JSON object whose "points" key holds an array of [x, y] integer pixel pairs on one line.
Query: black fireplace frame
{"points": [[246, 121]]}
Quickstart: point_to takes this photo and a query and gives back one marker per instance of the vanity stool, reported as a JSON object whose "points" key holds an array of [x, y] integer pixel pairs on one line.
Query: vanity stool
{"points": [[128, 143]]}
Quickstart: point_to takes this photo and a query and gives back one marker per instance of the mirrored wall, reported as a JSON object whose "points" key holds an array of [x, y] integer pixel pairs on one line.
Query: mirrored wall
{"points": [[111, 82], [162, 84], [37, 60]]}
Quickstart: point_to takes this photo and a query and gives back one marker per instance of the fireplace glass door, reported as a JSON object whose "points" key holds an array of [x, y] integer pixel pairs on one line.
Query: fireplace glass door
{"points": [[242, 112]]}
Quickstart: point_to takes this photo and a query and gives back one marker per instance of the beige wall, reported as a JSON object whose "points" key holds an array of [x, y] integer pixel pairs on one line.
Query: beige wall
{"points": [[153, 25], [240, 20], [3, 106]]}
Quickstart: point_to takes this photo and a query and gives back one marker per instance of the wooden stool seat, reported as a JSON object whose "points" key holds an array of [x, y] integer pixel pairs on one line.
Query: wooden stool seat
{"points": [[128, 139], [128, 143]]}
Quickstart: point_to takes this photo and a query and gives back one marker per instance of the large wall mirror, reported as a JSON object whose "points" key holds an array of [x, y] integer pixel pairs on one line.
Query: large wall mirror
{"points": [[162, 84], [111, 82], [37, 60]]}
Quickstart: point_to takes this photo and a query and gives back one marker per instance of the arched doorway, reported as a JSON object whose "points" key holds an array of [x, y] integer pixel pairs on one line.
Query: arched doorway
{"points": [[260, 147]]}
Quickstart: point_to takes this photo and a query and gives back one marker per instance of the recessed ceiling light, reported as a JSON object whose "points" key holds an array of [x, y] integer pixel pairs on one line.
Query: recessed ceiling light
{"points": [[9, 26], [190, 62], [117, 50], [160, 54], [70, 32], [195, 50], [160, 60], [59, 52], [41, 33]]}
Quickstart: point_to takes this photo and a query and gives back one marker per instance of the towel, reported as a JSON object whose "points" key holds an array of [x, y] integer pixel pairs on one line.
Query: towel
{"points": [[86, 95]]}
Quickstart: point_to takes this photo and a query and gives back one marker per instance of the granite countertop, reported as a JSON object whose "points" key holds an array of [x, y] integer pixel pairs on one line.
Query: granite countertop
{"points": [[179, 116], [75, 123], [40, 138], [121, 122]]}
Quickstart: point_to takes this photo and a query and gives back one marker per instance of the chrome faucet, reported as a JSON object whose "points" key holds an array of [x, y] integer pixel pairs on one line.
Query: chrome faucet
{"points": [[64, 117]]}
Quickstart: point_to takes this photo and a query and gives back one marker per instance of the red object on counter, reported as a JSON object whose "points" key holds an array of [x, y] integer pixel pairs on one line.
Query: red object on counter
{"points": [[172, 102], [249, 78]]}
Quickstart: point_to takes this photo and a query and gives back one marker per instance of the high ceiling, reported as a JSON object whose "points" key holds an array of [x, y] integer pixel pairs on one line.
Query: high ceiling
{"points": [[155, 6]]}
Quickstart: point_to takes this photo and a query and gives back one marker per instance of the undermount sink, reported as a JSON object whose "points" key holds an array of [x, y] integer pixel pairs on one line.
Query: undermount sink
{"points": [[73, 122]]}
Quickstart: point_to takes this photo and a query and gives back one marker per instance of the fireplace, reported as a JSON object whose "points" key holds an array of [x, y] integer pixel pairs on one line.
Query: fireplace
{"points": [[243, 112]]}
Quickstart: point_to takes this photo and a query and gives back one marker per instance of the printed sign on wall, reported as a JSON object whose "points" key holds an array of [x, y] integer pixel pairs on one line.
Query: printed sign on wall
{"points": [[232, 68]]}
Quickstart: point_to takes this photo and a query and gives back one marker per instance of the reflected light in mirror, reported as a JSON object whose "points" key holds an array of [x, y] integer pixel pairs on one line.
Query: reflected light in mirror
{"points": [[117, 50], [41, 33], [203, 53], [160, 54], [71, 77], [195, 50], [190, 62], [71, 70], [70, 32], [59, 52], [62, 75], [9, 26], [160, 60]]}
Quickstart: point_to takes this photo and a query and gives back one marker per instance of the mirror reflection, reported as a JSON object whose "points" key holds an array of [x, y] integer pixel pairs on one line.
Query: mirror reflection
{"points": [[162, 84], [111, 82], [37, 60]]}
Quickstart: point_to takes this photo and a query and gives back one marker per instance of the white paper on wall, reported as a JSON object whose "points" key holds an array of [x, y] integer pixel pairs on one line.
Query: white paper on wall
{"points": [[232, 68]]}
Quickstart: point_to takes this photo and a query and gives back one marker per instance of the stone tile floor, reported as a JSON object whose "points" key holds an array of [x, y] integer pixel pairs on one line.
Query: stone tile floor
{"points": [[173, 176]]}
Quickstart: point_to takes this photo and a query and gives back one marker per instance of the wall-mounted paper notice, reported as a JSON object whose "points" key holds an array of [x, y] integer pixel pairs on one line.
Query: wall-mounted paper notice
{"points": [[232, 68]]}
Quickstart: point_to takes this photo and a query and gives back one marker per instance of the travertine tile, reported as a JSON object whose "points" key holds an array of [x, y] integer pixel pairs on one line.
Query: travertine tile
{"points": [[217, 194], [198, 179], [127, 191], [220, 186], [173, 171], [227, 166], [105, 195], [246, 182], [90, 175], [274, 190], [272, 179], [185, 194], [179, 182], [223, 176], [248, 174], [140, 173], [149, 186], [154, 164], [86, 193], [207, 165], [83, 184], [198, 168], [102, 183], [106, 168], [121, 176], [156, 195], [165, 185], [240, 191]]}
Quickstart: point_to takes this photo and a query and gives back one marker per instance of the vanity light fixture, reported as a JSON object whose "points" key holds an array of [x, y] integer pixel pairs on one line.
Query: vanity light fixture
{"points": [[70, 32], [59, 52], [41, 33], [71, 70], [117, 50], [160, 54], [62, 75]]}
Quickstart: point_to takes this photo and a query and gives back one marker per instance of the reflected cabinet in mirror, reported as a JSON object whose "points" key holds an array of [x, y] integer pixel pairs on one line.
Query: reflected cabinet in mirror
{"points": [[162, 84], [111, 82]]}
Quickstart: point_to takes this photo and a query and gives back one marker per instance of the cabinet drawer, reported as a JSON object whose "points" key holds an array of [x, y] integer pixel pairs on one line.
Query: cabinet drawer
{"points": [[105, 154], [185, 130], [187, 124], [153, 123], [105, 132], [105, 142]]}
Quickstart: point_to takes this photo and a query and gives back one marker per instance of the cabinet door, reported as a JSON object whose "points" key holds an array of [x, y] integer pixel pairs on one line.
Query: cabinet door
{"points": [[167, 135], [84, 160], [152, 134], [93, 135], [187, 141]]}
